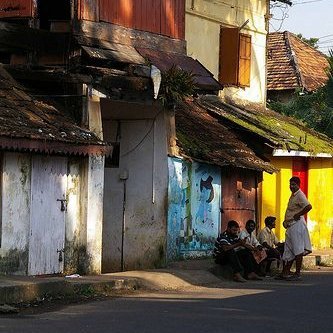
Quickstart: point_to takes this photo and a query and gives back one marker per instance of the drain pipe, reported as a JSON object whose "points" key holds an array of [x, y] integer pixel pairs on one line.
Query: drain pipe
{"points": [[123, 177]]}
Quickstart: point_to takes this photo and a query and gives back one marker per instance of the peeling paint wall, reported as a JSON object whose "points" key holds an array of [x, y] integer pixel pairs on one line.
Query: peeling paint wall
{"points": [[75, 242], [143, 156], [193, 208], [15, 213], [94, 217]]}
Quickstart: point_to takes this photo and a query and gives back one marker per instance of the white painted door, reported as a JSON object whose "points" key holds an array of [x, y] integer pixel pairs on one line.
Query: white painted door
{"points": [[47, 219]]}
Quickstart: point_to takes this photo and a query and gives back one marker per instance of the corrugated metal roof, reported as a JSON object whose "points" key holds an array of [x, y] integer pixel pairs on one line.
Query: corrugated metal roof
{"points": [[294, 64], [203, 78], [201, 137], [278, 130], [28, 124]]}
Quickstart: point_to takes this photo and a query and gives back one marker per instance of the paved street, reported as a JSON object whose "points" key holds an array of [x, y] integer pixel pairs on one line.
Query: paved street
{"points": [[269, 306]]}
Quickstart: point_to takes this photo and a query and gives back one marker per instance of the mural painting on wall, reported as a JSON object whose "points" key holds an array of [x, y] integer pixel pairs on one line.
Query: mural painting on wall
{"points": [[197, 212], [174, 207]]}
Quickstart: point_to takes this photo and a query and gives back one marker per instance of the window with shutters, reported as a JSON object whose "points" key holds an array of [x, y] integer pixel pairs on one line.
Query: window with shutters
{"points": [[235, 58]]}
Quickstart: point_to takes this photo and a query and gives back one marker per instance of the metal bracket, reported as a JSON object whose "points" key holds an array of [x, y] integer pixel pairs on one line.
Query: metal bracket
{"points": [[60, 254], [63, 207]]}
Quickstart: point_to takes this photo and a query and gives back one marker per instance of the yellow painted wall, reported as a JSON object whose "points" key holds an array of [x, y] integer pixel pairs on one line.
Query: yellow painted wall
{"points": [[276, 193], [320, 195], [202, 33]]}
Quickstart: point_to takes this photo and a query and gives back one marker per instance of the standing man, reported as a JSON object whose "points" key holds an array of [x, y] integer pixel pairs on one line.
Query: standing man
{"points": [[297, 242]]}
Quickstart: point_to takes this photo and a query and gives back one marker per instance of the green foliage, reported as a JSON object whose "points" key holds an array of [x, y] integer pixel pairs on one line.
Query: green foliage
{"points": [[177, 84], [311, 41], [316, 109]]}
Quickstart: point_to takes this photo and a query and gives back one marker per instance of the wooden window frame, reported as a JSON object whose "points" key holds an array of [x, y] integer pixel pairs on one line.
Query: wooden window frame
{"points": [[235, 57]]}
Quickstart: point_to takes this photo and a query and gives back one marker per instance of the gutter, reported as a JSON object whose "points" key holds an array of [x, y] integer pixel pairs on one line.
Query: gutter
{"points": [[298, 153]]}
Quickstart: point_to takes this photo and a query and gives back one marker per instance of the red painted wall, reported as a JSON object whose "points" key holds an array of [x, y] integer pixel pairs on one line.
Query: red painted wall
{"points": [[300, 169], [15, 8], [165, 17]]}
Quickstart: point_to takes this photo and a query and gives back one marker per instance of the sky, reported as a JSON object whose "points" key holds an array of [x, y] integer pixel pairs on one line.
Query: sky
{"points": [[311, 18]]}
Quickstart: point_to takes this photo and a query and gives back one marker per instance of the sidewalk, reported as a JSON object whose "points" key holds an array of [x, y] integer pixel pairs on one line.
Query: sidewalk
{"points": [[178, 275]]}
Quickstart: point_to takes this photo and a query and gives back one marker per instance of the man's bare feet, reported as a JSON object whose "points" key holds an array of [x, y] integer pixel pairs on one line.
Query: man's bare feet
{"points": [[253, 276], [238, 278]]}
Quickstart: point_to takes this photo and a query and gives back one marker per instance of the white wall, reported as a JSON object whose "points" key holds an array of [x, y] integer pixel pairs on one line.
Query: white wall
{"points": [[143, 152], [15, 213]]}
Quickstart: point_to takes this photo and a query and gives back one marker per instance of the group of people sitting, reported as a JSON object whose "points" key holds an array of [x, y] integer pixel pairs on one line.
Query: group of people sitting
{"points": [[248, 255]]}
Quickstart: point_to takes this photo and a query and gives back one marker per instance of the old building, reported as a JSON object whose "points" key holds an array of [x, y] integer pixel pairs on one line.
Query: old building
{"points": [[293, 66]]}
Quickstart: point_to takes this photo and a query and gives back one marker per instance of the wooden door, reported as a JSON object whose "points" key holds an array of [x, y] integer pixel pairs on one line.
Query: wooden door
{"points": [[47, 217], [300, 169], [239, 196]]}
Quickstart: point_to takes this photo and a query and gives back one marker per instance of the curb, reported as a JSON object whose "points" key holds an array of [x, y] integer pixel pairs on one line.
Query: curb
{"points": [[32, 292]]}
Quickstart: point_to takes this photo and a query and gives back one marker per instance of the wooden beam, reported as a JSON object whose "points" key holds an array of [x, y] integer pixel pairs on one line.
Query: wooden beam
{"points": [[121, 35], [24, 38], [44, 75]]}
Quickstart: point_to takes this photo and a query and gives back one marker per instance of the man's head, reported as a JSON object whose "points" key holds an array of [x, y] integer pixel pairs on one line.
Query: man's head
{"points": [[250, 226], [270, 222], [294, 184], [233, 228]]}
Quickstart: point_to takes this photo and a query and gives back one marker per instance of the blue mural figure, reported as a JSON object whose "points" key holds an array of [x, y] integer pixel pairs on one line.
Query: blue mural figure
{"points": [[206, 197]]}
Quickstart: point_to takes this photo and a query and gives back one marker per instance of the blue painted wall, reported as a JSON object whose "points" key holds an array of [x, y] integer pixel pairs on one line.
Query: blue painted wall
{"points": [[194, 196]]}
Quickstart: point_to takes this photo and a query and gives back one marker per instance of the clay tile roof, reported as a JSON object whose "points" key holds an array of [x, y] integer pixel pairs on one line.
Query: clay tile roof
{"points": [[201, 137], [30, 125], [294, 64]]}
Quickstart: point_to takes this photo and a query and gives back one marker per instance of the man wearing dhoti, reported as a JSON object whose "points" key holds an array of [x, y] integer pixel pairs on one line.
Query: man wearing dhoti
{"points": [[297, 242]]}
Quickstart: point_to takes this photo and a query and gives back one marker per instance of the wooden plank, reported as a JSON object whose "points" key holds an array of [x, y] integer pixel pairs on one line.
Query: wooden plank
{"points": [[244, 74], [117, 34], [123, 55], [15, 8]]}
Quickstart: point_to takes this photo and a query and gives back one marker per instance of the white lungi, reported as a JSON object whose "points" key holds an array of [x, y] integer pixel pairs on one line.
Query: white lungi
{"points": [[297, 240]]}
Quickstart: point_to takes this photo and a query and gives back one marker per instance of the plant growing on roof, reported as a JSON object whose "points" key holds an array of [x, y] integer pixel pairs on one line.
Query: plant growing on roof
{"points": [[176, 85]]}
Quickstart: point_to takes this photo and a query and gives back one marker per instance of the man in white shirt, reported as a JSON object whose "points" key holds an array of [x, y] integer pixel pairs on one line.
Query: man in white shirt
{"points": [[252, 244], [297, 242], [270, 242]]}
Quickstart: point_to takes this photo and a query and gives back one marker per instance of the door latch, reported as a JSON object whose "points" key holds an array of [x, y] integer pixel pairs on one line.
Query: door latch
{"points": [[63, 206], [60, 258]]}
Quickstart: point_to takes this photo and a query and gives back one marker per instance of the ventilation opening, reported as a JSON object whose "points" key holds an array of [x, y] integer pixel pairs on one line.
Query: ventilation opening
{"points": [[53, 11]]}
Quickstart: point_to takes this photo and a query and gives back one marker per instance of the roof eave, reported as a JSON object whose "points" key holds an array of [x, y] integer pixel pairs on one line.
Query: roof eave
{"points": [[298, 153]]}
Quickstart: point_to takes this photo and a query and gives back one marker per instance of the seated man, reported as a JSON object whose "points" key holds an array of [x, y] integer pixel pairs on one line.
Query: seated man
{"points": [[252, 243], [270, 242], [230, 250]]}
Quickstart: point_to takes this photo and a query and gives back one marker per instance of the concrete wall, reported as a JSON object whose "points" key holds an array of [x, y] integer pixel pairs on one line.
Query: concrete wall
{"points": [[202, 33], [276, 193], [143, 157], [193, 208], [15, 215]]}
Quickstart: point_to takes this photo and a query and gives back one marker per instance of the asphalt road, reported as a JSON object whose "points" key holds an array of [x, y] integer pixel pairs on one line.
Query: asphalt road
{"points": [[255, 307]]}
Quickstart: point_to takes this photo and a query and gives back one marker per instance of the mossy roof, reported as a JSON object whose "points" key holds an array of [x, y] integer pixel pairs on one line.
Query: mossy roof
{"points": [[201, 137], [279, 131]]}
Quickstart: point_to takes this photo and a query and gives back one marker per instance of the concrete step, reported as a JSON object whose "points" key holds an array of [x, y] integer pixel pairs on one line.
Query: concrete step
{"points": [[30, 289]]}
